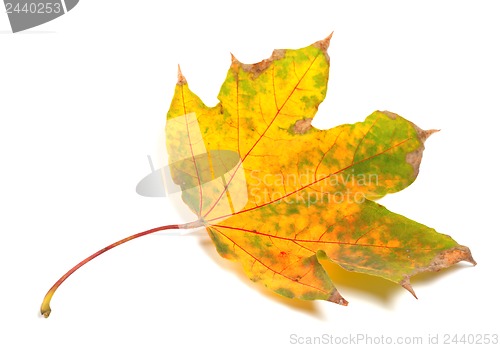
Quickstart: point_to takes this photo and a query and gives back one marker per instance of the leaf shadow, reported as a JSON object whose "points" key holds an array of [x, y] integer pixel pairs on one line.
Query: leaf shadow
{"points": [[379, 289], [308, 307], [371, 287]]}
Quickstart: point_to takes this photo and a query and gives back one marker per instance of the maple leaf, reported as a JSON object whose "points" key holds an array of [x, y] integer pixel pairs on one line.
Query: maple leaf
{"points": [[277, 195]]}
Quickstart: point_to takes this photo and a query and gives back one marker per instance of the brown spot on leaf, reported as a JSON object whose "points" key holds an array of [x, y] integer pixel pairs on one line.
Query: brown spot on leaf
{"points": [[258, 68], [390, 114], [302, 126], [414, 158], [448, 258], [442, 260]]}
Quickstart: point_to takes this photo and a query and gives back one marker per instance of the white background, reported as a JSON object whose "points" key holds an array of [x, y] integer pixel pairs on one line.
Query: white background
{"points": [[83, 102]]}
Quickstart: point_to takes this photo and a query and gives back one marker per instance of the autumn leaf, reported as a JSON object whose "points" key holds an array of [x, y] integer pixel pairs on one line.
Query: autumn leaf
{"points": [[278, 195], [291, 194]]}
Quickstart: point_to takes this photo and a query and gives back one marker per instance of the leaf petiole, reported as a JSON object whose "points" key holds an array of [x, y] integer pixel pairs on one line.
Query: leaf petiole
{"points": [[45, 307]]}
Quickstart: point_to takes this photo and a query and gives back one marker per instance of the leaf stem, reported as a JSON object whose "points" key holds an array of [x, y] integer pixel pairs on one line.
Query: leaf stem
{"points": [[45, 307]]}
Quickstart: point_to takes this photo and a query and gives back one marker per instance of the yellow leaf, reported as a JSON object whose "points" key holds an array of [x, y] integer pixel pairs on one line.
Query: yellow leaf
{"points": [[276, 194]]}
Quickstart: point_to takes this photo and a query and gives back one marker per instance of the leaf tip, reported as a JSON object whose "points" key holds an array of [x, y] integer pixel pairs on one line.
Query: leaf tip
{"points": [[337, 298], [406, 284], [425, 134], [464, 254], [325, 43], [234, 60], [181, 80], [471, 260], [329, 37]]}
